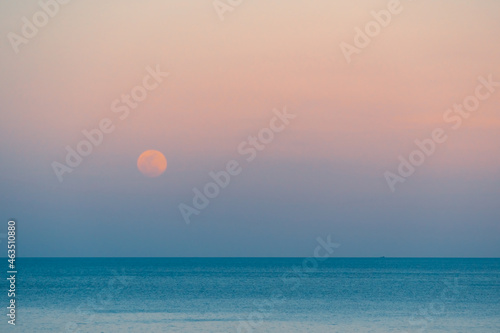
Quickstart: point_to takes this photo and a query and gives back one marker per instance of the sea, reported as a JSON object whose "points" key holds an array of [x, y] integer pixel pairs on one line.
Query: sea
{"points": [[244, 295]]}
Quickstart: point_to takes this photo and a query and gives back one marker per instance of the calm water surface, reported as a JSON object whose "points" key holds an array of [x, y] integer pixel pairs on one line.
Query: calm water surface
{"points": [[256, 295]]}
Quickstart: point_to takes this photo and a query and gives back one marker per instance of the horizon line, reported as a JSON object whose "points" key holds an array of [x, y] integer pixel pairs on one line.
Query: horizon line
{"points": [[248, 257]]}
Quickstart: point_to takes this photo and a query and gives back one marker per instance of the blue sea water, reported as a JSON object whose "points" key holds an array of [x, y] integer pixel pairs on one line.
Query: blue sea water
{"points": [[255, 295]]}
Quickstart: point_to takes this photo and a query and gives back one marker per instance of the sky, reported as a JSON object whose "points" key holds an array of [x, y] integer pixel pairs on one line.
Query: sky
{"points": [[218, 74]]}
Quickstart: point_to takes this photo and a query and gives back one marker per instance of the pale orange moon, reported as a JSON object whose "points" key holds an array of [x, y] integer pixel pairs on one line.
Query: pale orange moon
{"points": [[152, 163]]}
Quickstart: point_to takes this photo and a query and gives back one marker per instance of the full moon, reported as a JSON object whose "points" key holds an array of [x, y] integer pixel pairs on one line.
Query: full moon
{"points": [[152, 163]]}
